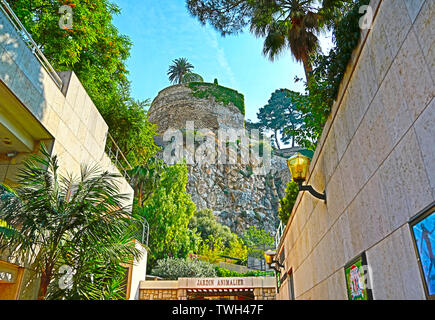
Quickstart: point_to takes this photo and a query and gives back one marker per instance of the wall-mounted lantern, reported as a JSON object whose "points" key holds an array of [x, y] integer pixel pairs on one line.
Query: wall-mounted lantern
{"points": [[298, 166], [274, 264]]}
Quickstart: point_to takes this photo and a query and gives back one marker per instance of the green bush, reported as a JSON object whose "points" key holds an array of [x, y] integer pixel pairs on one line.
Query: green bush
{"points": [[225, 273], [204, 90], [174, 268], [288, 202]]}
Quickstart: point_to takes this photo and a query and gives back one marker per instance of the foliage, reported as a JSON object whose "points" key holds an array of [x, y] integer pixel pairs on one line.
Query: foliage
{"points": [[75, 221], [174, 268], [97, 53], [178, 69], [192, 77], [145, 180], [212, 249], [284, 24], [204, 90], [168, 213], [255, 237], [224, 273], [326, 78], [288, 202], [206, 224], [280, 116], [329, 69], [129, 126]]}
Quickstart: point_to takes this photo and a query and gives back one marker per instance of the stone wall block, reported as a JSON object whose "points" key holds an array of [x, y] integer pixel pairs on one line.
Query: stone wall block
{"points": [[396, 23], [417, 84], [425, 130], [413, 7], [424, 27], [413, 175], [396, 114]]}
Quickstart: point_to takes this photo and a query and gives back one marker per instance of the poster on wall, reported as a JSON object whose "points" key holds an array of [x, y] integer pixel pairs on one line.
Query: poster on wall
{"points": [[424, 236], [356, 279]]}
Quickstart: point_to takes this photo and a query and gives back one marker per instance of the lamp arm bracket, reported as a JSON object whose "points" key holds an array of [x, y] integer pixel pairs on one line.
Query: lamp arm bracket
{"points": [[313, 192]]}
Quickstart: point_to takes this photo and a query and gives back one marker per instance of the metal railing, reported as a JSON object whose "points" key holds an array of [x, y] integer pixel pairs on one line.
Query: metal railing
{"points": [[279, 233], [144, 232], [117, 157], [26, 37]]}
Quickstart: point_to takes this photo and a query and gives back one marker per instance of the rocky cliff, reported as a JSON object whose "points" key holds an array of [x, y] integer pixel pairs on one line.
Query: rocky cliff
{"points": [[238, 196]]}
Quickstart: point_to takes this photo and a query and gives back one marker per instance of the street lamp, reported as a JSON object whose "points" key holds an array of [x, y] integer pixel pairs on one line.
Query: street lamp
{"points": [[298, 166], [268, 256]]}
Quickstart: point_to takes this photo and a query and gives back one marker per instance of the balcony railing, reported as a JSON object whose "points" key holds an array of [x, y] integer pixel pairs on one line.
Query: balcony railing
{"points": [[26, 37], [143, 232], [117, 157], [279, 233]]}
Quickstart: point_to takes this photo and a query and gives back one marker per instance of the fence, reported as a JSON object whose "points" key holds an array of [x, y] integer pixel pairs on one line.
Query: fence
{"points": [[117, 157]]}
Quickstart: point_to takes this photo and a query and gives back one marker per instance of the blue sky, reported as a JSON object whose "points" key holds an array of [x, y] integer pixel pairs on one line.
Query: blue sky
{"points": [[162, 31]]}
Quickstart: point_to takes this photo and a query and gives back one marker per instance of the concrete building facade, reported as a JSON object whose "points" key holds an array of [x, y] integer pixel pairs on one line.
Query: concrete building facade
{"points": [[376, 161]]}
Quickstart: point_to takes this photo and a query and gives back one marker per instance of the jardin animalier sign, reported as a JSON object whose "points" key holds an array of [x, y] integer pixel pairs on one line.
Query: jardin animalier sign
{"points": [[220, 283]]}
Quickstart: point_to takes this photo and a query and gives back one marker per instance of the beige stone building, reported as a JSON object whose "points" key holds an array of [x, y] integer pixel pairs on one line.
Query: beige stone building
{"points": [[376, 161], [251, 288], [38, 105]]}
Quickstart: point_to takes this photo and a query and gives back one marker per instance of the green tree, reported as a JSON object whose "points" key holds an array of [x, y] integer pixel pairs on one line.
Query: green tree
{"points": [[206, 224], [280, 116], [63, 220], [293, 24], [192, 77], [95, 50], [168, 213], [178, 69], [174, 268], [145, 180], [255, 237]]}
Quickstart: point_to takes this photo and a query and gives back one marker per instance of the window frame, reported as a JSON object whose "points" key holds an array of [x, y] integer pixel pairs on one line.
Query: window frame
{"points": [[421, 216]]}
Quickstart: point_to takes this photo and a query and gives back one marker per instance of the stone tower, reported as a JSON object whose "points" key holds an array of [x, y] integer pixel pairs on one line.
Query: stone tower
{"points": [[237, 197]]}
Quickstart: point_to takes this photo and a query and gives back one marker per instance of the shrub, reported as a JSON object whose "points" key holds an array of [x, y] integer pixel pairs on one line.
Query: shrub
{"points": [[288, 201], [205, 90], [174, 268], [225, 273]]}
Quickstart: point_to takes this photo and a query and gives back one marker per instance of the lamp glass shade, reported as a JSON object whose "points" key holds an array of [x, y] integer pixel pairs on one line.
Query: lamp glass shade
{"points": [[298, 166], [268, 256]]}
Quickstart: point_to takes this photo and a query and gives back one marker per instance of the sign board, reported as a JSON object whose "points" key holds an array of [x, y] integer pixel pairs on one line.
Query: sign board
{"points": [[356, 279], [216, 283]]}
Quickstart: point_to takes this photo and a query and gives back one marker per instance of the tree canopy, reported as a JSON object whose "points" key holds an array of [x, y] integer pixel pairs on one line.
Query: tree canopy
{"points": [[284, 24], [95, 50], [280, 116]]}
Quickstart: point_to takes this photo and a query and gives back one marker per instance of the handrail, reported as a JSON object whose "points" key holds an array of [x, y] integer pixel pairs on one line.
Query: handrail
{"points": [[279, 233], [27, 38], [116, 155]]}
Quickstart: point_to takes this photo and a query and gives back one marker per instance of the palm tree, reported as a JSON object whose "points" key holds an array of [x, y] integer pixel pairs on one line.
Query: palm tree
{"points": [[145, 179], [294, 26], [55, 220], [178, 69]]}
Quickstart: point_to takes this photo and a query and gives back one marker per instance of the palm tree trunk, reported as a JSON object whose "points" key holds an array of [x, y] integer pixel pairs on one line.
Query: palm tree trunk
{"points": [[45, 281], [307, 67]]}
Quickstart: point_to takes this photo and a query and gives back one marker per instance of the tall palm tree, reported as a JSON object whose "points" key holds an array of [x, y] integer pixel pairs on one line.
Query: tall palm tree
{"points": [[55, 220], [294, 26], [178, 69]]}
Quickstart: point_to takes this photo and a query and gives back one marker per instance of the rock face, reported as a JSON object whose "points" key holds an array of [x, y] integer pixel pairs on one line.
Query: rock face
{"points": [[238, 196]]}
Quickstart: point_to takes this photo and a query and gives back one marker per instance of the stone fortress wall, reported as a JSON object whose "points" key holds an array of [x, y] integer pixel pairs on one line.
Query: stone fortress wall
{"points": [[237, 197]]}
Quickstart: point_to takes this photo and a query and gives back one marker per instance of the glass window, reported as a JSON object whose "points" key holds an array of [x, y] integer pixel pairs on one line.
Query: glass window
{"points": [[423, 230]]}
